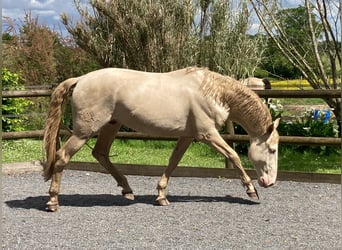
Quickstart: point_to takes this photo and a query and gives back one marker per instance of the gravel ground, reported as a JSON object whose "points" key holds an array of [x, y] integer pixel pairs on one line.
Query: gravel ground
{"points": [[204, 214]]}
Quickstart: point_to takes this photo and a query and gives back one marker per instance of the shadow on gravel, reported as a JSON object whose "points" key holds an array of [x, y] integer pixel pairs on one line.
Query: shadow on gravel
{"points": [[107, 200]]}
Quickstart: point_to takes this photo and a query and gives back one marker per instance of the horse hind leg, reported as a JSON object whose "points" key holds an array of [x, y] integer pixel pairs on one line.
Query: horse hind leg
{"points": [[63, 156], [101, 153], [182, 145]]}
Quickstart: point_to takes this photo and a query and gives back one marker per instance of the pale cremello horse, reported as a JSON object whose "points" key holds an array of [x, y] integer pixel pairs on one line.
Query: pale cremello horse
{"points": [[190, 103], [256, 83]]}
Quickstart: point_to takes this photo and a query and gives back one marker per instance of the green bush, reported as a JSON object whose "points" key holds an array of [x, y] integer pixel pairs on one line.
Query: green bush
{"points": [[13, 108], [307, 125]]}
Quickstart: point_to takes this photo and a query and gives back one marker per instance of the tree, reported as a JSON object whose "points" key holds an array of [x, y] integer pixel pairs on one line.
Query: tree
{"points": [[278, 65], [44, 57], [71, 60], [30, 48], [160, 36], [293, 21], [317, 57]]}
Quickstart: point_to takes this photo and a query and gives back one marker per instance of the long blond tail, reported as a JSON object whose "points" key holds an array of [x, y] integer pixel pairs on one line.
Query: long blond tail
{"points": [[52, 125]]}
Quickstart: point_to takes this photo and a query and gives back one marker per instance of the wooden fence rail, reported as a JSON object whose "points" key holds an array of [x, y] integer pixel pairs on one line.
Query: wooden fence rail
{"points": [[316, 93], [26, 93], [293, 140], [234, 138]]}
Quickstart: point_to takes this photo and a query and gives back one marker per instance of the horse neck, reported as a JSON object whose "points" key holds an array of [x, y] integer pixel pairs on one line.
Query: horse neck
{"points": [[247, 109]]}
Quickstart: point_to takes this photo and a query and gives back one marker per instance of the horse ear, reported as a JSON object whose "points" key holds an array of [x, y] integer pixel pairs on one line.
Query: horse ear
{"points": [[276, 123], [273, 126], [270, 129]]}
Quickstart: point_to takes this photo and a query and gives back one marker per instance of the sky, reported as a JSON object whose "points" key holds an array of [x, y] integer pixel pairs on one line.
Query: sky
{"points": [[49, 11]]}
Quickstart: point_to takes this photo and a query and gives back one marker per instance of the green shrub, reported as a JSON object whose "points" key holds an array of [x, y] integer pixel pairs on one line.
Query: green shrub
{"points": [[307, 125], [13, 108]]}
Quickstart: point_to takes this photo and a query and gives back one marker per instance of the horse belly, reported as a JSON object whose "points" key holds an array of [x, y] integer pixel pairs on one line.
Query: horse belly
{"points": [[163, 117]]}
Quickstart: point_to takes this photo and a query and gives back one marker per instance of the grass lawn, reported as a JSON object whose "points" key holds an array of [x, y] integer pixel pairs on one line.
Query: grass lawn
{"points": [[158, 153], [301, 101]]}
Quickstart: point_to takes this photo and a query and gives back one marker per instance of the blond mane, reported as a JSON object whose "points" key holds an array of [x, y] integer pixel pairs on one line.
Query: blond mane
{"points": [[228, 92]]}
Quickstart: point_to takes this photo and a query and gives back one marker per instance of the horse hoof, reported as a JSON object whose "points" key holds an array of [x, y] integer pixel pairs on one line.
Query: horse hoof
{"points": [[129, 196], [253, 195], [51, 207], [163, 201]]}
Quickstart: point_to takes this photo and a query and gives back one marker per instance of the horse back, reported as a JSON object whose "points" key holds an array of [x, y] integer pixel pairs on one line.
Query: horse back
{"points": [[155, 103]]}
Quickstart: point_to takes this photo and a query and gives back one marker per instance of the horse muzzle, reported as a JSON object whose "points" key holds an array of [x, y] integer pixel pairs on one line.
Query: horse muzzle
{"points": [[265, 181]]}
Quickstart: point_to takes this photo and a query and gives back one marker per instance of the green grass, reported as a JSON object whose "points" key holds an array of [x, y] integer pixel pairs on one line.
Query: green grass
{"points": [[300, 101], [290, 160], [158, 153]]}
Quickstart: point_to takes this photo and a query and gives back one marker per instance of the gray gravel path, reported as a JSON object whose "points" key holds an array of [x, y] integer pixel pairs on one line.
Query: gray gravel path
{"points": [[204, 214]]}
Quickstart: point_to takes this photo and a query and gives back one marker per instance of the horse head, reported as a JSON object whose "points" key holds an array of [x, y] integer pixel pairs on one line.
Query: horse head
{"points": [[263, 153]]}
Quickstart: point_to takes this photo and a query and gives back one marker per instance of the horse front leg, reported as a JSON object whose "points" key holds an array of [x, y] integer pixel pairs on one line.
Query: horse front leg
{"points": [[182, 145], [216, 141]]}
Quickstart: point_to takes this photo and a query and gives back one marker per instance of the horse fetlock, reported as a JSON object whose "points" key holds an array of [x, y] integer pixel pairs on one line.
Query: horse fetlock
{"points": [[252, 193], [162, 201], [126, 189], [52, 205], [246, 181], [162, 184], [128, 195], [251, 190]]}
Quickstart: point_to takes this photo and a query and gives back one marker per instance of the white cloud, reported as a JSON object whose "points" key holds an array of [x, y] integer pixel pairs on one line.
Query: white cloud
{"points": [[48, 11], [41, 4], [291, 3]]}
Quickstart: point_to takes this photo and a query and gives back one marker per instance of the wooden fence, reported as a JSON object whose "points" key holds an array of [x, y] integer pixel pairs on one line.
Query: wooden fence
{"points": [[200, 172], [313, 141], [317, 93]]}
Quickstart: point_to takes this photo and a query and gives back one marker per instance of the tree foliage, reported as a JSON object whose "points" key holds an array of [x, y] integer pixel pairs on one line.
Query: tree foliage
{"points": [[294, 22], [160, 36], [12, 108], [30, 48], [309, 42], [43, 56]]}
